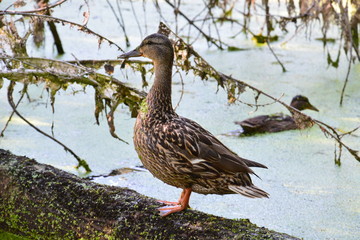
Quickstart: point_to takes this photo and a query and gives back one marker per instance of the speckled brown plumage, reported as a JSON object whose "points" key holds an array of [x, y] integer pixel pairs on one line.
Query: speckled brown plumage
{"points": [[277, 122], [177, 150]]}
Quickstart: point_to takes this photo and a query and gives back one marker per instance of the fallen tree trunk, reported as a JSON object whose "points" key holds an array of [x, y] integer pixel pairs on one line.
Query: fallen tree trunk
{"points": [[39, 201]]}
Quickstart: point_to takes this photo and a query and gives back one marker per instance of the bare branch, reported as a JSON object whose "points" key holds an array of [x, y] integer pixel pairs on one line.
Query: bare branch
{"points": [[346, 79], [136, 18], [182, 89], [81, 162], [348, 36], [110, 119], [119, 20], [81, 28], [203, 69], [207, 37], [23, 92], [277, 59], [48, 7]]}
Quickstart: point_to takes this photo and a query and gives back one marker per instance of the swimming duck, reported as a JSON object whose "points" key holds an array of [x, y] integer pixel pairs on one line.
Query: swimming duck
{"points": [[177, 150], [276, 122]]}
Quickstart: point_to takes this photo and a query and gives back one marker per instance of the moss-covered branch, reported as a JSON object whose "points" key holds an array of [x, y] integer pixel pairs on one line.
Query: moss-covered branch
{"points": [[41, 202], [57, 75], [189, 60]]}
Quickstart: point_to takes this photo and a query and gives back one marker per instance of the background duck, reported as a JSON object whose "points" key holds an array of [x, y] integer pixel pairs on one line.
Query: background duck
{"points": [[178, 150], [276, 122]]}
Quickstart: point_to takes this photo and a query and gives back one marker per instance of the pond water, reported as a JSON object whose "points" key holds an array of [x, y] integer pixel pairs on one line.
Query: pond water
{"points": [[310, 196]]}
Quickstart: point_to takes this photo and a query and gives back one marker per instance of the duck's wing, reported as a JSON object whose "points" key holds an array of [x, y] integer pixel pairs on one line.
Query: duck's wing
{"points": [[204, 151], [254, 124], [265, 123]]}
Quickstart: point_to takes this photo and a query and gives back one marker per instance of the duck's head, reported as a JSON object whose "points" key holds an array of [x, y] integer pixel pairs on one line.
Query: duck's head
{"points": [[301, 103], [155, 46]]}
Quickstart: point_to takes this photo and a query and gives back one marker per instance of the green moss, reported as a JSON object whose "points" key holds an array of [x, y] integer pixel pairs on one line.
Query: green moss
{"points": [[42, 202], [10, 236], [144, 106]]}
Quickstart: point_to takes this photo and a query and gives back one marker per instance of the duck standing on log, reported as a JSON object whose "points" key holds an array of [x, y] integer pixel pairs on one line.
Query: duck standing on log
{"points": [[277, 122], [177, 150]]}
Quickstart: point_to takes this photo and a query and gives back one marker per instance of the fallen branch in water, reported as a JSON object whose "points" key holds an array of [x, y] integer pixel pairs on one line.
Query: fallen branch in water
{"points": [[217, 42], [39, 201], [82, 28], [23, 92], [58, 75], [81, 162], [234, 87], [111, 92], [46, 8]]}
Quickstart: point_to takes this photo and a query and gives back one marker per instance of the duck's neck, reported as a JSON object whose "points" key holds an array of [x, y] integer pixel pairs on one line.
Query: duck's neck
{"points": [[159, 97]]}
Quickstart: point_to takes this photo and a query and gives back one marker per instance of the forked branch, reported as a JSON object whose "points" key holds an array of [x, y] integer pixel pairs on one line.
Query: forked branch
{"points": [[200, 67], [81, 162], [81, 27]]}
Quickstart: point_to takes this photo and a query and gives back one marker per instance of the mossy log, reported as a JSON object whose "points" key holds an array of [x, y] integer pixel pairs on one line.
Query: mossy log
{"points": [[39, 201]]}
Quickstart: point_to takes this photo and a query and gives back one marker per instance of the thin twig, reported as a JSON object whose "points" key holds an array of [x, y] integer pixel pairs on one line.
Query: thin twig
{"points": [[35, 10], [207, 37], [350, 132], [51, 18], [215, 26], [222, 78], [306, 14], [136, 18], [86, 14], [110, 120], [346, 79], [55, 34], [81, 162], [257, 105], [333, 134], [348, 33], [119, 20], [272, 51], [182, 89], [82, 77], [13, 112]]}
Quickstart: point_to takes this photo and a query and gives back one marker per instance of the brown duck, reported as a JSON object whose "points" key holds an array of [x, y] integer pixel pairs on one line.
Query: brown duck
{"points": [[276, 122], [178, 150]]}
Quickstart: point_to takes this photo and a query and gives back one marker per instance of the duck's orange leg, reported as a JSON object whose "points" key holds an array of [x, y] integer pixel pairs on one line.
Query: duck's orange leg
{"points": [[173, 203], [176, 207]]}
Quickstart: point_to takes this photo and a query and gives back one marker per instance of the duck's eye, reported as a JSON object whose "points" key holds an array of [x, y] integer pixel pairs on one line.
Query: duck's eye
{"points": [[150, 43]]}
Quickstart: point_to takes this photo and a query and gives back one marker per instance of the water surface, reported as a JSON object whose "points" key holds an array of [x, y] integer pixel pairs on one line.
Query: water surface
{"points": [[310, 197]]}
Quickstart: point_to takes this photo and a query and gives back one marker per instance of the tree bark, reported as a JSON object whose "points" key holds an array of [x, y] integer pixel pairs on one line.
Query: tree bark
{"points": [[39, 201]]}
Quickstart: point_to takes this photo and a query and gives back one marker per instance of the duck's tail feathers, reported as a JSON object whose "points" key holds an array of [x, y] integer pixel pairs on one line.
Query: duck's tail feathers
{"points": [[250, 163], [249, 191]]}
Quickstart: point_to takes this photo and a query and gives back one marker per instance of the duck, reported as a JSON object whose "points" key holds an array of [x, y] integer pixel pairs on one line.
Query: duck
{"points": [[177, 150], [277, 122]]}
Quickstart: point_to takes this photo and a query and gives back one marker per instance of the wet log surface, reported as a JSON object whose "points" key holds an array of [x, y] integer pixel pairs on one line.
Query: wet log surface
{"points": [[39, 201]]}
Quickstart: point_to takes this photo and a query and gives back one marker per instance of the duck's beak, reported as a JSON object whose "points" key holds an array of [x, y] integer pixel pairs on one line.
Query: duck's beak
{"points": [[311, 107], [133, 53]]}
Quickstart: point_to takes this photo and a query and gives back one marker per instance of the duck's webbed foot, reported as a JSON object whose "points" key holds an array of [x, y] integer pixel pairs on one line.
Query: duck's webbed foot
{"points": [[173, 207], [164, 211]]}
